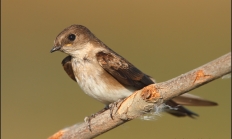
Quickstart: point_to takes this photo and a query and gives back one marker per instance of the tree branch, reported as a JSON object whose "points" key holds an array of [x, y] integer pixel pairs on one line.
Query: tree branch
{"points": [[144, 100]]}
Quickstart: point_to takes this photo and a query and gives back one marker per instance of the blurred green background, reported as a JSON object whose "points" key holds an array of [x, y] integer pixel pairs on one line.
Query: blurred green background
{"points": [[173, 37]]}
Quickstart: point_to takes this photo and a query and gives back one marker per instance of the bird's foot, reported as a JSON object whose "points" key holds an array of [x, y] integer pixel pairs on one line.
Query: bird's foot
{"points": [[89, 118], [112, 107]]}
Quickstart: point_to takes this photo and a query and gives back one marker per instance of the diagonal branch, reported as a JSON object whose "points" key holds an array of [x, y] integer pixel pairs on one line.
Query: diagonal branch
{"points": [[144, 100]]}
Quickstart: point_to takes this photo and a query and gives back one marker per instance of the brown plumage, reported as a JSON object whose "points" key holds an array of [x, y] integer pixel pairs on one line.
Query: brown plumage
{"points": [[105, 75]]}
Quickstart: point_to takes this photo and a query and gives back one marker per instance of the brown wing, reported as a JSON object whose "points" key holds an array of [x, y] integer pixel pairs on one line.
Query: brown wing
{"points": [[67, 65], [129, 75], [122, 70]]}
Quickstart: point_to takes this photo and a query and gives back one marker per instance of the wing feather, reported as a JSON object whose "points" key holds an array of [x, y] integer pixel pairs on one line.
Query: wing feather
{"points": [[122, 70], [67, 65]]}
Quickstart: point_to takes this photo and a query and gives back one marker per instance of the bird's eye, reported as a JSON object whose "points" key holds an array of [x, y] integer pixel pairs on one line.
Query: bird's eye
{"points": [[71, 37]]}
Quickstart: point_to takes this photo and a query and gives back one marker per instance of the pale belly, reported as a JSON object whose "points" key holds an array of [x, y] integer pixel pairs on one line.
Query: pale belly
{"points": [[97, 83]]}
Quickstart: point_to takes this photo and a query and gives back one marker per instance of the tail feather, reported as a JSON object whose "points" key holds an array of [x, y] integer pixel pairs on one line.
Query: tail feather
{"points": [[179, 110], [176, 108], [193, 100]]}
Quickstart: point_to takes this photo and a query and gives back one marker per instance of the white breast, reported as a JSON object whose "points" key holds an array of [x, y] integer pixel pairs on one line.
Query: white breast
{"points": [[91, 78]]}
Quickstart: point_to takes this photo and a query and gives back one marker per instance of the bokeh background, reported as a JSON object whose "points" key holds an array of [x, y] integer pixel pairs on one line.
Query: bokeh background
{"points": [[162, 38]]}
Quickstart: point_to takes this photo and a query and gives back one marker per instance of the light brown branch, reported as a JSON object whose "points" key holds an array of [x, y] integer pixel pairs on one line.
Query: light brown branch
{"points": [[143, 101]]}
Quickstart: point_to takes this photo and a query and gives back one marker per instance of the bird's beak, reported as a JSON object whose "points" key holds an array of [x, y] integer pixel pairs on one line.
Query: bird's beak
{"points": [[55, 48]]}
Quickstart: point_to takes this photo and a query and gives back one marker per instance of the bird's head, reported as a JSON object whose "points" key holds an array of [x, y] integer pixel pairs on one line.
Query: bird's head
{"points": [[72, 39]]}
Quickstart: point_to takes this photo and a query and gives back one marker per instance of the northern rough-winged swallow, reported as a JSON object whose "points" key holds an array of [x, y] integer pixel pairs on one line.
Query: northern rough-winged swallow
{"points": [[106, 76]]}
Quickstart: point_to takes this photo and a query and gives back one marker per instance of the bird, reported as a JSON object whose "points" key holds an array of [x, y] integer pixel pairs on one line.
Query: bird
{"points": [[105, 75]]}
